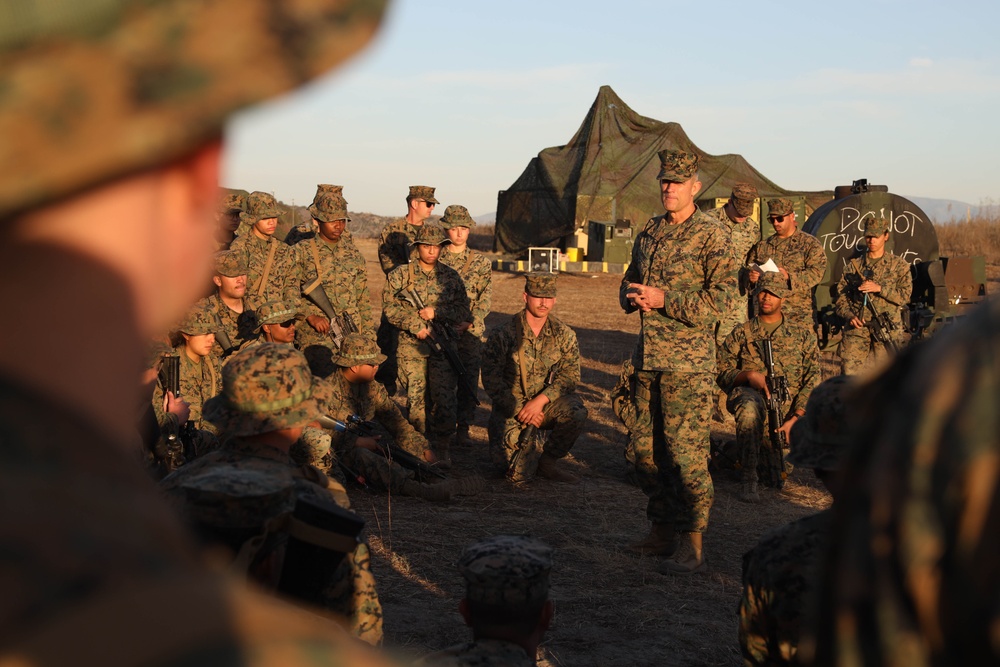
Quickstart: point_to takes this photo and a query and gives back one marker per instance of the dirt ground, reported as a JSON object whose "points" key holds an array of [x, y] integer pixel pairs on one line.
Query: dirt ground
{"points": [[611, 608]]}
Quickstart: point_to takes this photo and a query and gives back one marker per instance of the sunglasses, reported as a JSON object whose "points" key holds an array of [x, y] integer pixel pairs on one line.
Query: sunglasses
{"points": [[778, 218], [429, 204], [287, 323]]}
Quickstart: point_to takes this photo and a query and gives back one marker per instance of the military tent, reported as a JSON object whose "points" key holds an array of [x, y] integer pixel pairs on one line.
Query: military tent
{"points": [[608, 172]]}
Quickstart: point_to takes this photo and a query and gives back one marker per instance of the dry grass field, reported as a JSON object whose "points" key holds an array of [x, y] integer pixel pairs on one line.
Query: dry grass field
{"points": [[611, 608]]}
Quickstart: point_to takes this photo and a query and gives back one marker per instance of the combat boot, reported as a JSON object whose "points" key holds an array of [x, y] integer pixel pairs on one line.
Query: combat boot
{"points": [[688, 558], [749, 492], [435, 493], [549, 468], [441, 451], [659, 542], [462, 436]]}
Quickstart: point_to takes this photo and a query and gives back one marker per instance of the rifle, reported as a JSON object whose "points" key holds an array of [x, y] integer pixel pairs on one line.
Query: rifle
{"points": [[340, 325], [528, 441], [440, 342], [777, 387], [390, 450], [880, 324], [170, 379], [222, 338]]}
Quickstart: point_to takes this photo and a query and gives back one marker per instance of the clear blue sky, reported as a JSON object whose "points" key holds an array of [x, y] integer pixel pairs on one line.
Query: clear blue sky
{"points": [[462, 94]]}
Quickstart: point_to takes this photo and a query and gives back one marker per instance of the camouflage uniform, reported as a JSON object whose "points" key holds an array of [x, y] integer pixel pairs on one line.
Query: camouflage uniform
{"points": [[309, 229], [858, 348], [500, 571], [912, 575], [516, 366], [675, 363], [94, 540], [781, 571], [276, 374], [282, 279], [779, 576], [796, 357], [428, 379], [239, 327], [340, 399], [397, 236], [477, 274], [802, 256], [742, 237], [199, 381]]}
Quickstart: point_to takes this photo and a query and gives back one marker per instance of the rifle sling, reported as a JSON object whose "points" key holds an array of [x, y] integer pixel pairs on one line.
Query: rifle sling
{"points": [[262, 280], [320, 274]]}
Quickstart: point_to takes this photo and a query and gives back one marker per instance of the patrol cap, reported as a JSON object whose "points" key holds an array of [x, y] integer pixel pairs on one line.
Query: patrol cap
{"points": [[506, 570], [876, 226], [329, 207], [429, 234], [457, 216], [743, 198], [275, 312], [821, 437], [96, 90], [541, 285], [238, 496], [200, 320], [773, 282], [779, 207], [265, 388], [230, 263], [424, 192], [677, 165], [327, 189], [260, 206], [356, 350]]}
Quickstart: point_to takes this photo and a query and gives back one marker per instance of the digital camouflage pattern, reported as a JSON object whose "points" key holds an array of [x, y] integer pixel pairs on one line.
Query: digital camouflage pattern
{"points": [[199, 381], [276, 312], [265, 388], [780, 573], [150, 81], [339, 399], [424, 192], [692, 263], [230, 264], [779, 583], [429, 234], [234, 202], [479, 653], [239, 327], [394, 244], [774, 283], [516, 366], [802, 256], [429, 380], [742, 237], [743, 197], [281, 282], [541, 285], [796, 356], [329, 207], [876, 226], [779, 206], [457, 216], [355, 596], [343, 278], [477, 276], [674, 360], [358, 350], [912, 576], [859, 350], [506, 570], [677, 166], [259, 206]]}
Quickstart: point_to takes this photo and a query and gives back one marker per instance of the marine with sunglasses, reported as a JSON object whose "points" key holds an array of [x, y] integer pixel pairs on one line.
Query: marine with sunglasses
{"points": [[800, 259]]}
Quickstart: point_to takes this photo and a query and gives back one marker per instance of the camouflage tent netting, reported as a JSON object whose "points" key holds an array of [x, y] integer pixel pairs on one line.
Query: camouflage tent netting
{"points": [[608, 171]]}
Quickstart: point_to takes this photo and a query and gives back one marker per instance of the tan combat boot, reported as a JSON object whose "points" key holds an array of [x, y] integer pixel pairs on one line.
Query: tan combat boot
{"points": [[749, 492], [688, 558], [462, 436], [549, 468], [435, 493], [659, 542]]}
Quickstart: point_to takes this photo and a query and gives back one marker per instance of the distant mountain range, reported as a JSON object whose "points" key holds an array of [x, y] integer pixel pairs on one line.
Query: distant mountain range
{"points": [[943, 211], [486, 218]]}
